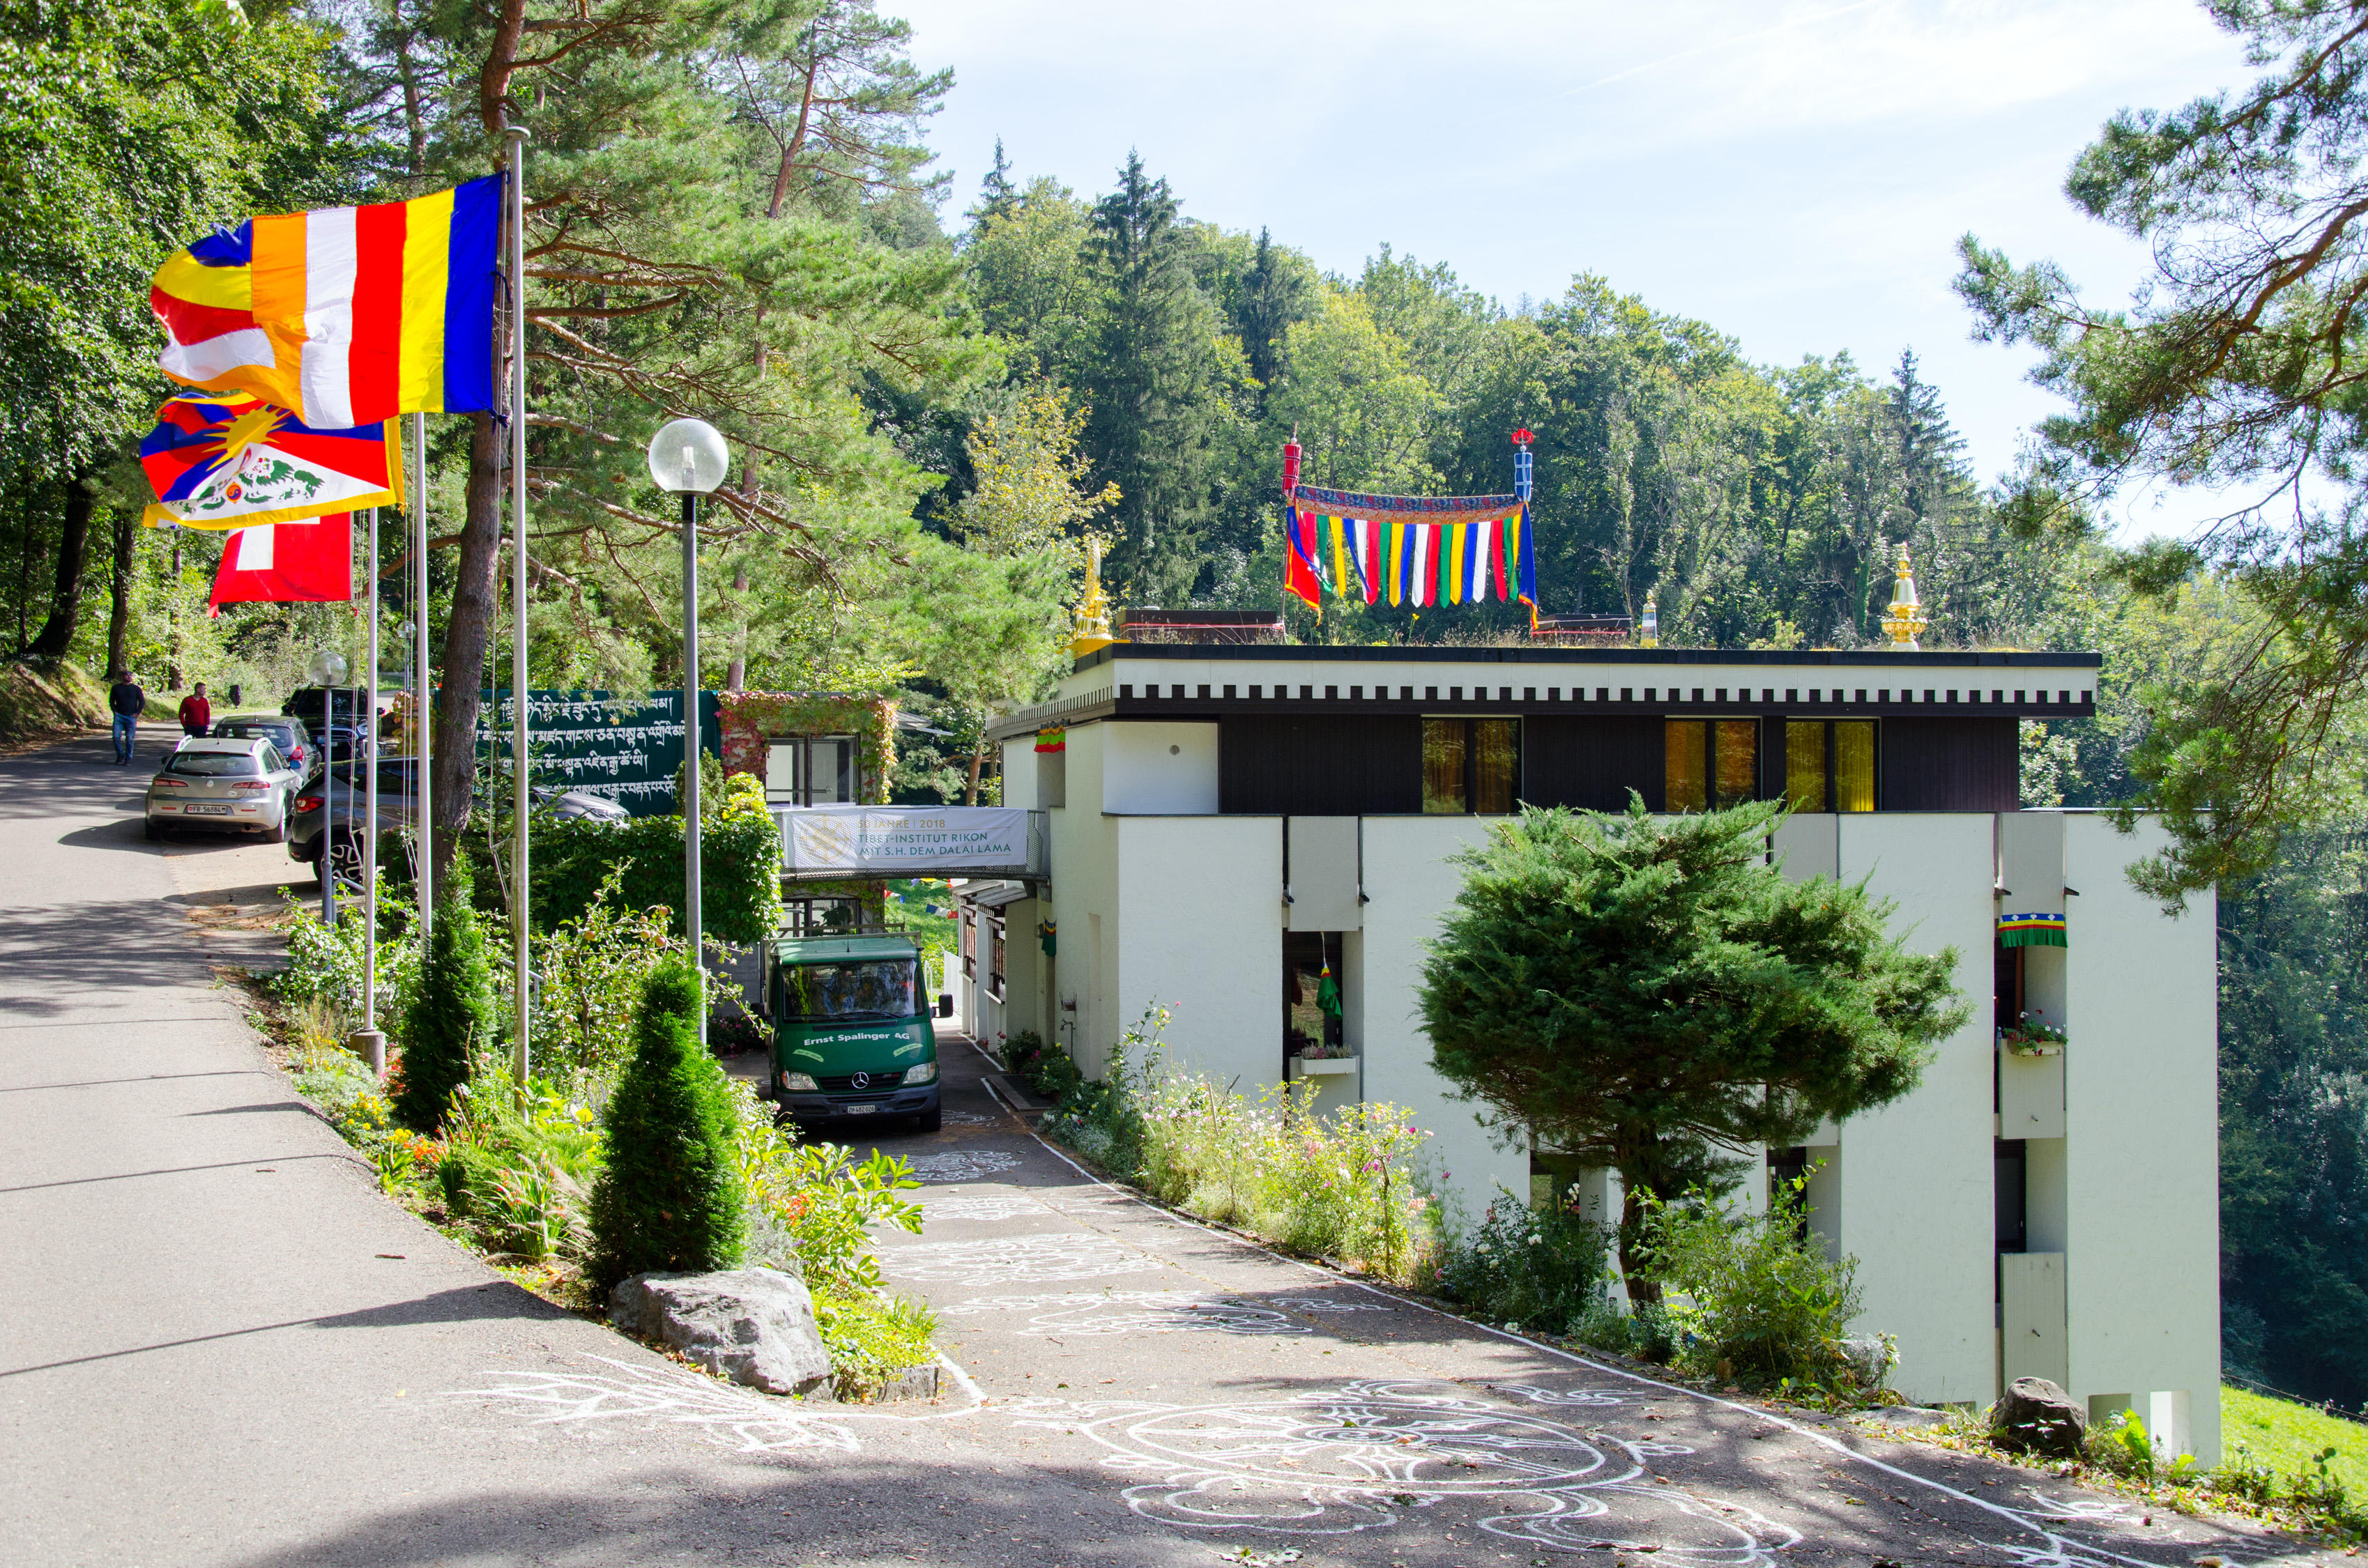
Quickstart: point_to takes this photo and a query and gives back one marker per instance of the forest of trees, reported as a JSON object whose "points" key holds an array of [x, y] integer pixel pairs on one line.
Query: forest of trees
{"points": [[933, 396]]}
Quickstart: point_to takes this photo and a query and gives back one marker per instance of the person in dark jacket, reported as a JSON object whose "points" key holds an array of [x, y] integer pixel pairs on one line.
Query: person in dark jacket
{"points": [[197, 713], [125, 700]]}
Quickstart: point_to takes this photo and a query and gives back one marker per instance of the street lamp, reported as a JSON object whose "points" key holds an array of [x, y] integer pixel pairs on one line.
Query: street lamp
{"points": [[687, 457], [328, 669]]}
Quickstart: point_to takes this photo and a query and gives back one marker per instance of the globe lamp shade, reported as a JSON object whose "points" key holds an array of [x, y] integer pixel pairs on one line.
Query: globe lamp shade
{"points": [[689, 454]]}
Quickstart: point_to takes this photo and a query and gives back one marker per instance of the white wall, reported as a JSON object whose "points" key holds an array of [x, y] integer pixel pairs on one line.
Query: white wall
{"points": [[1915, 1184], [2141, 1147], [1410, 886], [1083, 863], [1199, 924], [1158, 769]]}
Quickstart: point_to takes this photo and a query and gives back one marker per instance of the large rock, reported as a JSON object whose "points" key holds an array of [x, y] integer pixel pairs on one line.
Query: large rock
{"points": [[753, 1326], [2035, 1417]]}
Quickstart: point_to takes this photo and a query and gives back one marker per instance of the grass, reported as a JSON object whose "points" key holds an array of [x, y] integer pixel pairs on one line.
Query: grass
{"points": [[2287, 1436]]}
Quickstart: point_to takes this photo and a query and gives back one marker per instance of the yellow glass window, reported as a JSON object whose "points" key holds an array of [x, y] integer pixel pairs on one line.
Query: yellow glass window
{"points": [[1853, 764], [1804, 764], [1442, 765], [1738, 760], [1686, 785], [1496, 773]]}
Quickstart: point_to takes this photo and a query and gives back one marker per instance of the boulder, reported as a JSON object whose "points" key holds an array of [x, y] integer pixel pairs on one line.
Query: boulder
{"points": [[2035, 1417], [1870, 1358], [753, 1326]]}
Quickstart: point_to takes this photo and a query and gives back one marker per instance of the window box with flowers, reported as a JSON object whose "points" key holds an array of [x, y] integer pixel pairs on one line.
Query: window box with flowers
{"points": [[2032, 1036]]}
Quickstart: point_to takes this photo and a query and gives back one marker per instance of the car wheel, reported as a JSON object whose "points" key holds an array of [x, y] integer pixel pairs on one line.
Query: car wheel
{"points": [[279, 834]]}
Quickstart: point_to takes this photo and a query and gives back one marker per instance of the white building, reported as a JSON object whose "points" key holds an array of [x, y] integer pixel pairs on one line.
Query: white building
{"points": [[1222, 820]]}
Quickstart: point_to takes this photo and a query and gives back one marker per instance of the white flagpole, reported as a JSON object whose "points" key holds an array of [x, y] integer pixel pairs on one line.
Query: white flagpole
{"points": [[374, 1042], [422, 710], [521, 800]]}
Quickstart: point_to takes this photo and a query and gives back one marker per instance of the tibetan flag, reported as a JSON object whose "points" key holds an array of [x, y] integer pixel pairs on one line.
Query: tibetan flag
{"points": [[1365, 551], [344, 316], [1299, 578], [306, 562], [224, 460]]}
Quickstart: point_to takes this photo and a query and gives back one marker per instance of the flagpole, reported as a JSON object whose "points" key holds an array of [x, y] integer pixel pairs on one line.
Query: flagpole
{"points": [[422, 712], [370, 1042], [521, 800]]}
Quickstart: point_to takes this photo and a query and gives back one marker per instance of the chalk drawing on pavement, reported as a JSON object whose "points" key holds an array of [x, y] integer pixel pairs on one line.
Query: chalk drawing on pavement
{"points": [[963, 1164], [982, 1206], [1116, 1312], [1071, 1255], [652, 1397]]}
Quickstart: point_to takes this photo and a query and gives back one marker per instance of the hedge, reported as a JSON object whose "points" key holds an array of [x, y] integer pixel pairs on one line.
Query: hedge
{"points": [[740, 866]]}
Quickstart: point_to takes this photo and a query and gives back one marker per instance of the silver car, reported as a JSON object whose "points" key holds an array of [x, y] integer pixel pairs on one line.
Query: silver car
{"points": [[239, 785]]}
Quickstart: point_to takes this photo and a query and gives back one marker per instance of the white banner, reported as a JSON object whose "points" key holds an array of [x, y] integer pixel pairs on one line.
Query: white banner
{"points": [[903, 841]]}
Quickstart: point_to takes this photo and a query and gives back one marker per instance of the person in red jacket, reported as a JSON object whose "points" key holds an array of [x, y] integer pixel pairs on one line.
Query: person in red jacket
{"points": [[197, 713]]}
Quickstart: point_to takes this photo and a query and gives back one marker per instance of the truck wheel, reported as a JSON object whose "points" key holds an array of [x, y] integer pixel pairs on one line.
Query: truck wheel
{"points": [[929, 1120]]}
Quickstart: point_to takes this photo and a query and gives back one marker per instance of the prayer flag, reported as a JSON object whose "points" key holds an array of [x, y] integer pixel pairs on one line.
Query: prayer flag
{"points": [[1341, 582], [1365, 551], [1422, 553], [1397, 563], [1504, 530], [1475, 561], [1528, 563], [1455, 542], [225, 460], [346, 315], [306, 562], [1299, 576]]}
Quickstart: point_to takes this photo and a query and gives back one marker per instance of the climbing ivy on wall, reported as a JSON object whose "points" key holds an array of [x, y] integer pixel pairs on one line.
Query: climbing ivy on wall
{"points": [[749, 719]]}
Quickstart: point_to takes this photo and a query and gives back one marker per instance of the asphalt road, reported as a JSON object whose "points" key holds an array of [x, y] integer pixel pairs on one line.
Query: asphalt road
{"points": [[219, 1345]]}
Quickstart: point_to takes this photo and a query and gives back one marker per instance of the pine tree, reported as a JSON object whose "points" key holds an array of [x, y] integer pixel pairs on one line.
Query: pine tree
{"points": [[668, 1198], [453, 1016]]}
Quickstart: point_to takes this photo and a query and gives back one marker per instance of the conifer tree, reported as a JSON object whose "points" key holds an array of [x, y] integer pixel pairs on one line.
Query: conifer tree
{"points": [[668, 1198], [453, 1016]]}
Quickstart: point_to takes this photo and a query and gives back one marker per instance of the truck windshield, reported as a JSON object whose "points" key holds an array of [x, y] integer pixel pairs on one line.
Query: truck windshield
{"points": [[880, 988]]}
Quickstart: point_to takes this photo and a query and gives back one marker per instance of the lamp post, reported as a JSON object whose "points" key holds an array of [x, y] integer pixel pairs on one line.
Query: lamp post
{"points": [[328, 672], [687, 457]]}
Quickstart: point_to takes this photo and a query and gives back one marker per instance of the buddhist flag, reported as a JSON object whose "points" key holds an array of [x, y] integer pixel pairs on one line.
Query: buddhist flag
{"points": [[1299, 575], [344, 316], [1365, 551], [306, 562], [224, 460]]}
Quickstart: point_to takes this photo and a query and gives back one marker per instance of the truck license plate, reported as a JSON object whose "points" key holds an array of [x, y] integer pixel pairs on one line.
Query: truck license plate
{"points": [[207, 811], [861, 1109]]}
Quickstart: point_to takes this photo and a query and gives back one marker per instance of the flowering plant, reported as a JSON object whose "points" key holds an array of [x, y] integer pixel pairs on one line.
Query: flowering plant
{"points": [[2032, 1036]]}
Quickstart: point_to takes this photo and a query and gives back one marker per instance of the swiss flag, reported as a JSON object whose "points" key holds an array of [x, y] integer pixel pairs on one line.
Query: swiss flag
{"points": [[310, 563]]}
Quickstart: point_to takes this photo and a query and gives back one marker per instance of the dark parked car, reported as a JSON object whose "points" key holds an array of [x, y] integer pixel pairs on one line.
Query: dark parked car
{"points": [[398, 807], [313, 704], [291, 735]]}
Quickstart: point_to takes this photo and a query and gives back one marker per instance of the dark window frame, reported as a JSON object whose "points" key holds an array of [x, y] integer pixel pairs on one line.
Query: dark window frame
{"points": [[1710, 722]]}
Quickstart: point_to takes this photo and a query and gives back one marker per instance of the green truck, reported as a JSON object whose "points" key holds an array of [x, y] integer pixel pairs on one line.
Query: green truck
{"points": [[852, 1035]]}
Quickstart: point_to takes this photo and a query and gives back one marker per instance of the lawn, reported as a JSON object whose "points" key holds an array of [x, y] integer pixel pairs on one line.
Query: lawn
{"points": [[2288, 1437]]}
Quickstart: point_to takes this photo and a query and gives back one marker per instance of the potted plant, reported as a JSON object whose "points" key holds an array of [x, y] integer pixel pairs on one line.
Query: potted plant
{"points": [[2033, 1035]]}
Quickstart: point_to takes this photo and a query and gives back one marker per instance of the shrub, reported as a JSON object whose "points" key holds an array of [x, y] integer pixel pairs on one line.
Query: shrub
{"points": [[451, 1014], [638, 863], [589, 974], [670, 1197], [1765, 1302], [1542, 1268], [1649, 1333]]}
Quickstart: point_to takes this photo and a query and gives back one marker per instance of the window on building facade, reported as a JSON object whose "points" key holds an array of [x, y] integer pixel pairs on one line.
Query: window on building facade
{"points": [[1471, 765], [810, 770], [995, 958], [1709, 762], [1313, 973], [966, 935], [1829, 764]]}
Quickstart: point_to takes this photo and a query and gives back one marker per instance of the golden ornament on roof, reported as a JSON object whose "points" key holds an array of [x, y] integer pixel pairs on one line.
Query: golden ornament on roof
{"points": [[1092, 628], [1907, 620]]}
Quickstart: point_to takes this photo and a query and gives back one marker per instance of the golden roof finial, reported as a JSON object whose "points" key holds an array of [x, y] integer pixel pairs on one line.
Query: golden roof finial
{"points": [[1092, 628], [1907, 620]]}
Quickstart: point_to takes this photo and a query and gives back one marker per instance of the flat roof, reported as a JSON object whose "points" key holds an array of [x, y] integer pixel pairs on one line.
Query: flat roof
{"points": [[837, 949], [1424, 653]]}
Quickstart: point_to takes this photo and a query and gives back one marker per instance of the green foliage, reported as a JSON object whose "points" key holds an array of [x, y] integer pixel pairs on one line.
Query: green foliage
{"points": [[870, 1339], [589, 973], [813, 1206], [452, 1015], [1648, 1333], [1760, 1299], [637, 865], [1350, 1183], [669, 1195], [1647, 992], [1543, 1269], [1047, 1071]]}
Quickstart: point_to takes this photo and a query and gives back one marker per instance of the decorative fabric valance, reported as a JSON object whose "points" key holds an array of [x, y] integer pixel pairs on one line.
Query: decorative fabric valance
{"points": [[2031, 931], [1055, 739], [1404, 508]]}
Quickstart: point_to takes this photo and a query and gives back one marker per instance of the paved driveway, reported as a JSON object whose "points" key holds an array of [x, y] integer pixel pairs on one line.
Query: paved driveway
{"points": [[219, 1345]]}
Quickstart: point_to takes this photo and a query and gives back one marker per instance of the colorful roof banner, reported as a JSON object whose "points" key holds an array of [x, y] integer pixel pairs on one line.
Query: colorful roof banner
{"points": [[1449, 510], [306, 562], [346, 315], [2031, 931], [231, 461]]}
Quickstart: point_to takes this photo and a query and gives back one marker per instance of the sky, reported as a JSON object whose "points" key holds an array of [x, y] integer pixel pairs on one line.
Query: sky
{"points": [[1795, 174]]}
